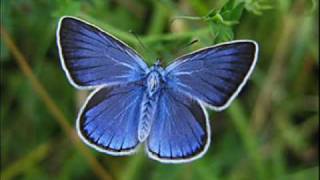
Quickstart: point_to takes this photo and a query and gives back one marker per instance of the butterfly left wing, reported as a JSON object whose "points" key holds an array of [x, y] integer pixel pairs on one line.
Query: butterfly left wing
{"points": [[180, 130], [91, 57], [109, 119], [214, 75]]}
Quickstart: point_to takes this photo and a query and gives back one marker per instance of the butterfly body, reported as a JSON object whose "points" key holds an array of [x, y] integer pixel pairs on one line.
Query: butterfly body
{"points": [[160, 107], [154, 82]]}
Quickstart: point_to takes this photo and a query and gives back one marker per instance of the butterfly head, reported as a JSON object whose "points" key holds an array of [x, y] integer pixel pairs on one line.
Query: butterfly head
{"points": [[157, 67], [157, 63]]}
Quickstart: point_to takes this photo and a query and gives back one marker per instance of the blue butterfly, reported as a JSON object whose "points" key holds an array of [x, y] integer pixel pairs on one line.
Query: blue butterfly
{"points": [[160, 107]]}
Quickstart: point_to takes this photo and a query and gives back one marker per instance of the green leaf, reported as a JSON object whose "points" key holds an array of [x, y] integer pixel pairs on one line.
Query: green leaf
{"points": [[221, 32]]}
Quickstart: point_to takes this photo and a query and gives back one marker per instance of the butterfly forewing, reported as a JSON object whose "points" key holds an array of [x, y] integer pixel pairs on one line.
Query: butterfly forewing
{"points": [[216, 74], [91, 57]]}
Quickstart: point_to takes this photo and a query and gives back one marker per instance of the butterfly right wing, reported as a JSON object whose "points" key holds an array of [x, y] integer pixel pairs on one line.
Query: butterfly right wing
{"points": [[91, 57], [214, 75], [109, 120]]}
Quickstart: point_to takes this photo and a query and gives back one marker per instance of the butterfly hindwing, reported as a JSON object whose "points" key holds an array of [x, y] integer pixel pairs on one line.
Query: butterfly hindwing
{"points": [[109, 120], [91, 57], [180, 131], [214, 75]]}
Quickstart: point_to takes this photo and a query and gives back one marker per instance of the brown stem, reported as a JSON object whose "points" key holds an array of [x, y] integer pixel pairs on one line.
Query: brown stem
{"points": [[51, 105]]}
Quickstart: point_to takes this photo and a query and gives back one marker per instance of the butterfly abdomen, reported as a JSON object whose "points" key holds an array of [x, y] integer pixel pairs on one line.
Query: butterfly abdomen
{"points": [[148, 108]]}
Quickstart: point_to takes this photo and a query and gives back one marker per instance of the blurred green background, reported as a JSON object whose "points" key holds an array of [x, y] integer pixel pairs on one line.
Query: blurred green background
{"points": [[270, 131]]}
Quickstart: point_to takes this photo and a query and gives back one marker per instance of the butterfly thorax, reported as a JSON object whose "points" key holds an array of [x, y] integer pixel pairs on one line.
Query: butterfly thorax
{"points": [[153, 83]]}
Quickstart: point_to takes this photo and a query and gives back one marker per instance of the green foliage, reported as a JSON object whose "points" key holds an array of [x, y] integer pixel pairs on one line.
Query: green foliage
{"points": [[257, 6], [222, 20], [269, 132]]}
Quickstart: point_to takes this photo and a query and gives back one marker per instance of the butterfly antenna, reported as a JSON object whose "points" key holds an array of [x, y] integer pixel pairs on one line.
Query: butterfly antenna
{"points": [[141, 44], [138, 39], [188, 45], [191, 43]]}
